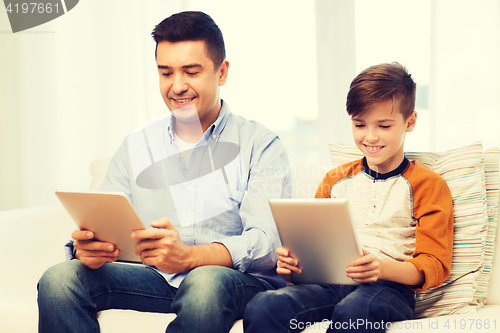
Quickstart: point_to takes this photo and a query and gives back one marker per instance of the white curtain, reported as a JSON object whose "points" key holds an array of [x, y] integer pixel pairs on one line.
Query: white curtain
{"points": [[452, 49], [73, 88], [467, 73]]}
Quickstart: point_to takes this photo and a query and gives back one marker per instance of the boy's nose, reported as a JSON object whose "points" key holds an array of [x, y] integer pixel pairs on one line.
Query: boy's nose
{"points": [[371, 136]]}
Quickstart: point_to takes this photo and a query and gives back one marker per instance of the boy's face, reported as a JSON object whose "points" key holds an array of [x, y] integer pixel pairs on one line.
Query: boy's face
{"points": [[380, 134], [189, 83]]}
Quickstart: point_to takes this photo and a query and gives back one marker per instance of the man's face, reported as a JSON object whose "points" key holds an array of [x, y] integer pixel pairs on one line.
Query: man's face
{"points": [[380, 134], [189, 83]]}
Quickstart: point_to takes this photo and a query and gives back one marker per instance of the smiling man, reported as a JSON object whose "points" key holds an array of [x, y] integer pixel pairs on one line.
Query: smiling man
{"points": [[199, 178]]}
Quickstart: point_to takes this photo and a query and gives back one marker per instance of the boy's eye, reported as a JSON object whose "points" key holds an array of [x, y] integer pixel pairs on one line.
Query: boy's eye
{"points": [[385, 126]]}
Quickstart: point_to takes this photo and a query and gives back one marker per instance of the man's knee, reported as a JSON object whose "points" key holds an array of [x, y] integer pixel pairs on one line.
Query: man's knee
{"points": [[59, 276], [59, 283], [207, 283]]}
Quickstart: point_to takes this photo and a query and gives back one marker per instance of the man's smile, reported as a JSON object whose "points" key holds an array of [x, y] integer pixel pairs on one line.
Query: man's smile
{"points": [[183, 100]]}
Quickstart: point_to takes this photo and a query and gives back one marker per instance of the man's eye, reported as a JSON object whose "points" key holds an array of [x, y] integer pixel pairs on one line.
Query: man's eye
{"points": [[192, 73], [166, 74]]}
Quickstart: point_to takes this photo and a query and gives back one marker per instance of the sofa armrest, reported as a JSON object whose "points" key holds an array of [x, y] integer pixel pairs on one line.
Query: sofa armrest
{"points": [[32, 240]]}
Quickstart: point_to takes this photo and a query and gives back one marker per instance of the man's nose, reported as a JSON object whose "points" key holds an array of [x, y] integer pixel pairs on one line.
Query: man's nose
{"points": [[180, 85]]}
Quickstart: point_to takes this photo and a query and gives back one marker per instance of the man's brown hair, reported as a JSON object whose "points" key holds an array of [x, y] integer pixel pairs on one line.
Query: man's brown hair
{"points": [[381, 83], [192, 26]]}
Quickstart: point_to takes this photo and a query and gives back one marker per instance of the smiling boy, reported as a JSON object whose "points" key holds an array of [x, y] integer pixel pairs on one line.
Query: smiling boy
{"points": [[403, 216]]}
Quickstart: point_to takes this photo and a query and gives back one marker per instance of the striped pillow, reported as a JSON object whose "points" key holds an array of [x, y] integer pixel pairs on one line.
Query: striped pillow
{"points": [[473, 191], [491, 157]]}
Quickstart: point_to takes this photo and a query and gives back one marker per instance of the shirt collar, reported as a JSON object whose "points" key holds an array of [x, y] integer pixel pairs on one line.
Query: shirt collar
{"points": [[382, 176], [213, 131]]}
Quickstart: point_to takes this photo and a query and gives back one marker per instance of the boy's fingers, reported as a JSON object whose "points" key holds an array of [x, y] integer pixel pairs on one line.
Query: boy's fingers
{"points": [[288, 260], [290, 268], [282, 251]]}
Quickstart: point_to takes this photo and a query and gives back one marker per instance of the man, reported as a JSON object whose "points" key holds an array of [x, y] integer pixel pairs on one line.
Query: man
{"points": [[202, 178]]}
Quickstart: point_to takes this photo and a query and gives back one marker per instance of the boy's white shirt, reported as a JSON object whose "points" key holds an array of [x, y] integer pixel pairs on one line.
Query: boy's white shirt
{"points": [[383, 214]]}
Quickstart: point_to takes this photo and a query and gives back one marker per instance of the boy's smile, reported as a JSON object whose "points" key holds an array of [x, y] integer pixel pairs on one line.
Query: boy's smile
{"points": [[379, 133]]}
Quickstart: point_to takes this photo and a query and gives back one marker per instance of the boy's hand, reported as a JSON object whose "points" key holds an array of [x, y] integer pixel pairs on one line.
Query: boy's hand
{"points": [[287, 264], [366, 268]]}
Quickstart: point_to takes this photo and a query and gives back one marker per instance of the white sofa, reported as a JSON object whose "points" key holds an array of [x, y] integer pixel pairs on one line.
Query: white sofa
{"points": [[32, 239]]}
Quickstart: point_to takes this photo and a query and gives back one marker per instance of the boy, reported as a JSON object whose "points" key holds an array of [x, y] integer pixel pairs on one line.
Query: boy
{"points": [[404, 217]]}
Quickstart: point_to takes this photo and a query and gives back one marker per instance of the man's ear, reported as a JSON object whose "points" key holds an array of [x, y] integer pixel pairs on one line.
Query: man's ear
{"points": [[223, 70], [411, 122]]}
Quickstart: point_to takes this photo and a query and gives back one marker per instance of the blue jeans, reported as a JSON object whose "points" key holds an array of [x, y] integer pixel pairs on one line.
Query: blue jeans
{"points": [[351, 308], [209, 299]]}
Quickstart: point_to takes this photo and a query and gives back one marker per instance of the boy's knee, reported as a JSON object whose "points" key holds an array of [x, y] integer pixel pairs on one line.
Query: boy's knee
{"points": [[266, 304], [267, 309]]}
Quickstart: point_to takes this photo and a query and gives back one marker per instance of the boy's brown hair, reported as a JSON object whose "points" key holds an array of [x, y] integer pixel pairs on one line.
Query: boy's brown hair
{"points": [[381, 83]]}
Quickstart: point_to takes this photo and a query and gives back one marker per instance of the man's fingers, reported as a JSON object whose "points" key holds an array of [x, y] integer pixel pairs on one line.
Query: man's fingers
{"points": [[163, 223], [145, 245], [82, 235], [99, 254], [96, 262], [94, 246], [150, 234]]}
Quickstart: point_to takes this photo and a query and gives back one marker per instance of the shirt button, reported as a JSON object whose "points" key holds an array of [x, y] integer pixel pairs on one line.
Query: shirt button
{"points": [[214, 136], [190, 189]]}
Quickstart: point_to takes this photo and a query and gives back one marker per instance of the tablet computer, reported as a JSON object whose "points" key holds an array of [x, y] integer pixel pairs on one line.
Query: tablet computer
{"points": [[109, 215], [320, 234]]}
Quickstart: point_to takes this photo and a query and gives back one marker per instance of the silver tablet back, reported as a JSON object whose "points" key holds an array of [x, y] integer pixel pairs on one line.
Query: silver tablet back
{"points": [[320, 234]]}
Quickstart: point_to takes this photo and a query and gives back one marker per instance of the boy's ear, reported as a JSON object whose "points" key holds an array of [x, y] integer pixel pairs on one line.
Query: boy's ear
{"points": [[411, 121]]}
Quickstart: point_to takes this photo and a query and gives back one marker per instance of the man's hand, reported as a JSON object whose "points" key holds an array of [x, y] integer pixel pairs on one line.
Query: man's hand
{"points": [[366, 268], [91, 253], [287, 264], [163, 248]]}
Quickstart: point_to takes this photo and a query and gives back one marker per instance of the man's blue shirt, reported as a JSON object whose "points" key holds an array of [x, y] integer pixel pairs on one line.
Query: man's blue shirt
{"points": [[221, 195]]}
